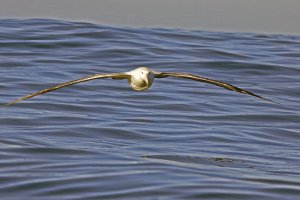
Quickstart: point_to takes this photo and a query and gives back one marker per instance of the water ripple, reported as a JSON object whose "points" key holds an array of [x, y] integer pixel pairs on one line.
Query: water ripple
{"points": [[178, 140]]}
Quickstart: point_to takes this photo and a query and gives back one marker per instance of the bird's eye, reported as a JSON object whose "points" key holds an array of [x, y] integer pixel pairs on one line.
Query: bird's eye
{"points": [[142, 72]]}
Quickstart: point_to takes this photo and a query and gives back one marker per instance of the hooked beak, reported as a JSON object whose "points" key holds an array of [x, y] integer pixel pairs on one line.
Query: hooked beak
{"points": [[146, 78]]}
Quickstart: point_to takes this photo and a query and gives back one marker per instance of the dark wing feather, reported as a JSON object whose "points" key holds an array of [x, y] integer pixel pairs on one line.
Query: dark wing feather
{"points": [[210, 81], [56, 87]]}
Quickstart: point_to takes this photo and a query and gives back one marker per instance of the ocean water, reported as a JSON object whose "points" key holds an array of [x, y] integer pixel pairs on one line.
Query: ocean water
{"points": [[178, 140]]}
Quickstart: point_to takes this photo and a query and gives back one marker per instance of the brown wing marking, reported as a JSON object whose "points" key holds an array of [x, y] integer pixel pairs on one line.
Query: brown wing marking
{"points": [[209, 81], [72, 82]]}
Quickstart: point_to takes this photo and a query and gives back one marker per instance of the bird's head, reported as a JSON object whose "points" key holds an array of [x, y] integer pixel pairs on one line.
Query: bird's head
{"points": [[141, 78]]}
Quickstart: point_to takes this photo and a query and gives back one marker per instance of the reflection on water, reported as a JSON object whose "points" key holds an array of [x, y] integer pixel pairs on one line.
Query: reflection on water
{"points": [[217, 161], [177, 140]]}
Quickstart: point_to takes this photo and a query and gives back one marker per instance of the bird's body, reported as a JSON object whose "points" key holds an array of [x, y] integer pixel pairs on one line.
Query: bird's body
{"points": [[140, 79]]}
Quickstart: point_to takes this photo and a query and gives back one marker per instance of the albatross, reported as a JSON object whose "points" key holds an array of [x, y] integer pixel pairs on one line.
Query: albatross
{"points": [[140, 79]]}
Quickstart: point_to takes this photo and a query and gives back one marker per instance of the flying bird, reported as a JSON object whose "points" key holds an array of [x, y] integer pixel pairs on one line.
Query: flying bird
{"points": [[140, 79]]}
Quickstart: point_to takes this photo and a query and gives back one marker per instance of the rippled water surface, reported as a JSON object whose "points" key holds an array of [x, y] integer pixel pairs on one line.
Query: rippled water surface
{"points": [[178, 140]]}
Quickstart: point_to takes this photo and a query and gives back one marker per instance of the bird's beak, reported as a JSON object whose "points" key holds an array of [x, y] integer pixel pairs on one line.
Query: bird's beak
{"points": [[147, 78]]}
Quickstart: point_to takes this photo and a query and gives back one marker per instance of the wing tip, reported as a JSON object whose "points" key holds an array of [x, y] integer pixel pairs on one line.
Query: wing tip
{"points": [[269, 100]]}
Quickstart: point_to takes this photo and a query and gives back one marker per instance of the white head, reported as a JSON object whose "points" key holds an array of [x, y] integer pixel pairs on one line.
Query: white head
{"points": [[141, 78]]}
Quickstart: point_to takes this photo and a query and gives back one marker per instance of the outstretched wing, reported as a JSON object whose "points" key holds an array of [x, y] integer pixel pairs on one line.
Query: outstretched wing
{"points": [[56, 87], [208, 80]]}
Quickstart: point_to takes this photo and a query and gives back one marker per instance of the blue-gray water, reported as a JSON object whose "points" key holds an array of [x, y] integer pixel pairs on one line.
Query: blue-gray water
{"points": [[178, 140]]}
